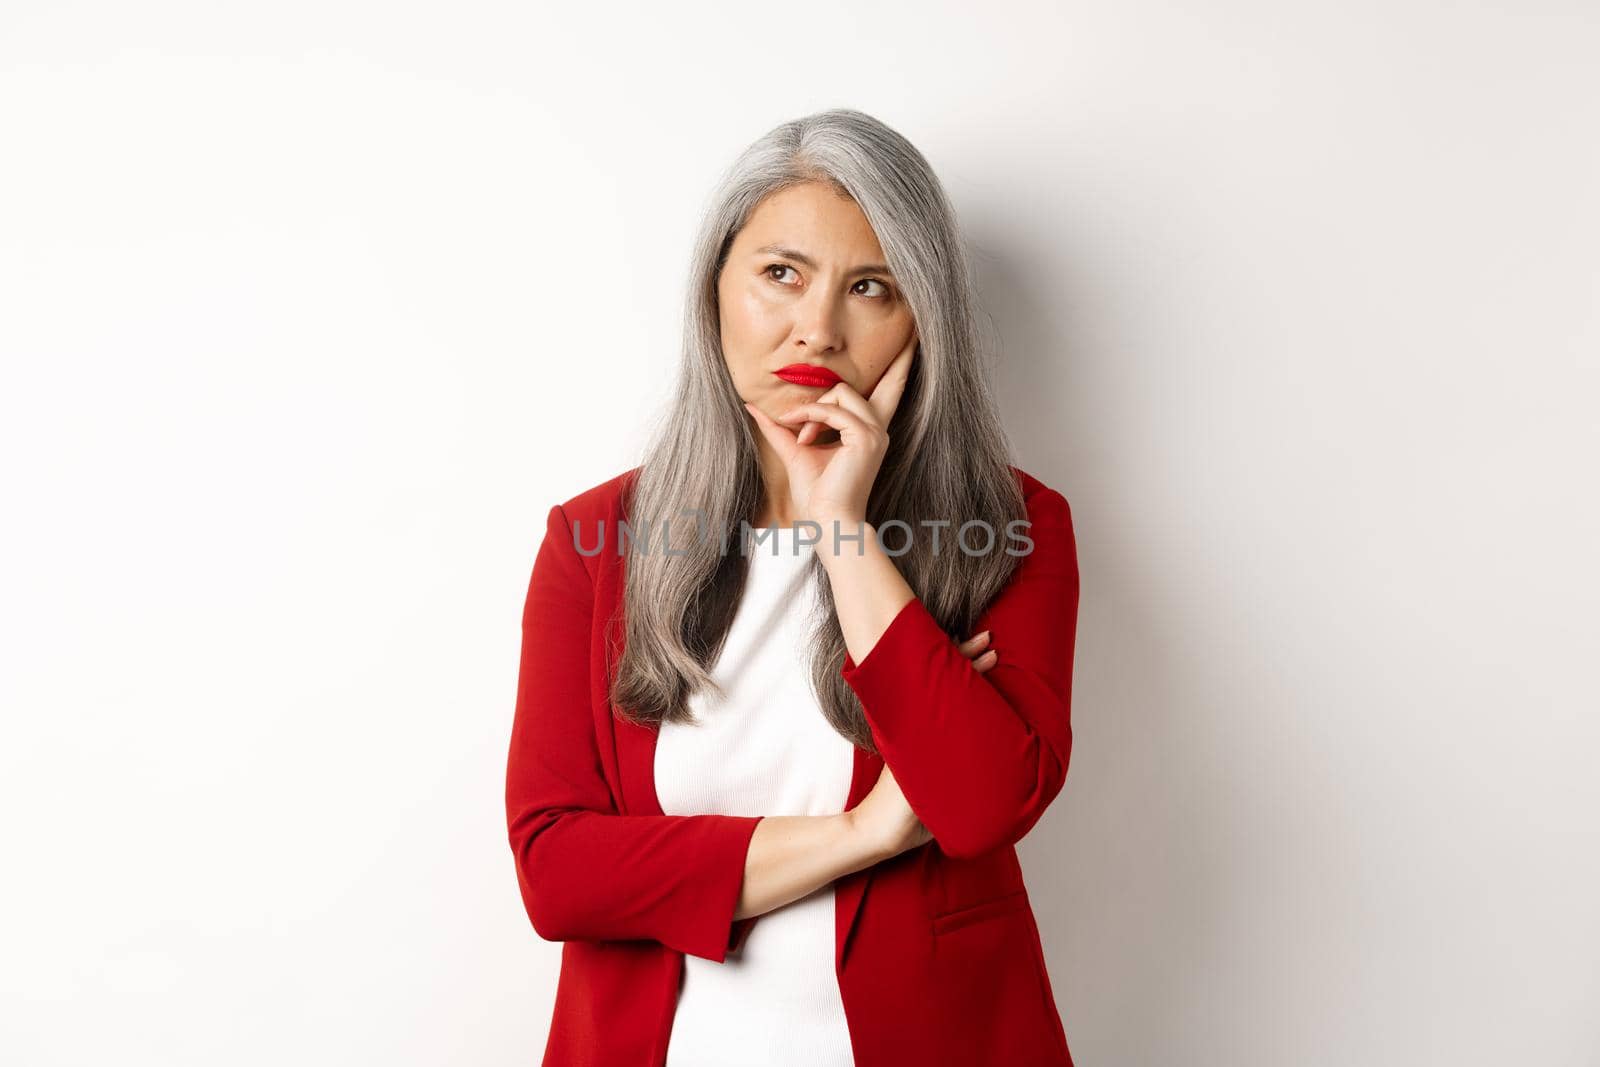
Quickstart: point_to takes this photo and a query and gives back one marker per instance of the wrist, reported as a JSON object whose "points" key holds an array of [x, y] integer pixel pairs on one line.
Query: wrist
{"points": [[863, 844], [845, 535]]}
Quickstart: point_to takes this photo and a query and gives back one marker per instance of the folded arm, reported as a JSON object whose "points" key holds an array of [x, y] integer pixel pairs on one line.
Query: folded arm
{"points": [[695, 883], [978, 755]]}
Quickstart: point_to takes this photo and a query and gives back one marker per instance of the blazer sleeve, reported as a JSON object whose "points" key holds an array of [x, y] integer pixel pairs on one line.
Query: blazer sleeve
{"points": [[586, 871], [979, 756]]}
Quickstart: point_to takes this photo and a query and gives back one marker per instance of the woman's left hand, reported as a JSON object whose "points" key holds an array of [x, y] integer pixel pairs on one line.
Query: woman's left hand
{"points": [[976, 649], [830, 483]]}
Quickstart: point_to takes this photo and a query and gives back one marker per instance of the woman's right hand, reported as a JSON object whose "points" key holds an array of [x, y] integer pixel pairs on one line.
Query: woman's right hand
{"points": [[883, 816]]}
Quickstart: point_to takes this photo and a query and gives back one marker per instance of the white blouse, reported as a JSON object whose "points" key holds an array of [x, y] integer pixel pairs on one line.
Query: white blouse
{"points": [[764, 750]]}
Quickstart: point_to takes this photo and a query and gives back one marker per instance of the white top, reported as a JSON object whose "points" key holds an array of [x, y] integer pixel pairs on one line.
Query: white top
{"points": [[765, 750]]}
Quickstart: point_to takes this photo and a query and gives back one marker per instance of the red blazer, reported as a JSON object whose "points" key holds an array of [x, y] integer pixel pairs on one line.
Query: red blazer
{"points": [[936, 950]]}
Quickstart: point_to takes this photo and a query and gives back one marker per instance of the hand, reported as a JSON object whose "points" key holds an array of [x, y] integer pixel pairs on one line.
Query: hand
{"points": [[883, 815], [831, 482], [981, 660]]}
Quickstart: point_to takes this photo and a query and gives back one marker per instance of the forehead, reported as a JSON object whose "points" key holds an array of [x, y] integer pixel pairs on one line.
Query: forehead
{"points": [[813, 219]]}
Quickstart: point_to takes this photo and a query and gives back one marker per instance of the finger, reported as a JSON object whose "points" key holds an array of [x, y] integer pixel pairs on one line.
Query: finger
{"points": [[972, 644], [845, 395], [853, 402], [886, 394], [985, 661], [847, 423], [781, 438], [810, 432]]}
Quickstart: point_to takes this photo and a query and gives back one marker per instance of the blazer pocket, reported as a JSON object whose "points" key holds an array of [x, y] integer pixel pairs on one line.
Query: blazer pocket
{"points": [[1015, 900]]}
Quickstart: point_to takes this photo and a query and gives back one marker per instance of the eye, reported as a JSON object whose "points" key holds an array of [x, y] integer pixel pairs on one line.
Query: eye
{"points": [[885, 292]]}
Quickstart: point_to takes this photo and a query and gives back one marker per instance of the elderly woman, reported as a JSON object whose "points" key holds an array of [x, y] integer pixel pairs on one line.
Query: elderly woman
{"points": [[757, 788]]}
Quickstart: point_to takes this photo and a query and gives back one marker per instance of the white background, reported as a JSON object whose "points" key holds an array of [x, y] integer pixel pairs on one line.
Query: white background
{"points": [[310, 311]]}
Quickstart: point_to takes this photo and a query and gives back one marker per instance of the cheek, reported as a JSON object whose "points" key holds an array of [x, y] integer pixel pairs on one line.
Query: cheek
{"points": [[751, 324], [744, 341], [884, 341], [751, 311]]}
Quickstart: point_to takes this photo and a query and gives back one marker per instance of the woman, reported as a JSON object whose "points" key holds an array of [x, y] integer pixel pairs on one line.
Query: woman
{"points": [[764, 798]]}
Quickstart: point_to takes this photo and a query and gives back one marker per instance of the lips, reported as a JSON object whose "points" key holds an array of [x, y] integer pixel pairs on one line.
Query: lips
{"points": [[808, 374]]}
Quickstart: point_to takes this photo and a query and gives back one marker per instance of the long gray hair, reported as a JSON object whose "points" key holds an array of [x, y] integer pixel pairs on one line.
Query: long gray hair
{"points": [[948, 457]]}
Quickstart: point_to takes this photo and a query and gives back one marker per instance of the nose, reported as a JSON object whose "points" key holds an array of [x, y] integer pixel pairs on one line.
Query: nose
{"points": [[817, 323]]}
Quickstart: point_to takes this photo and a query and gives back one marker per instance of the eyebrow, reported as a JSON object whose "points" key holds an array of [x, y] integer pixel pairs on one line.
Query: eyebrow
{"points": [[802, 258]]}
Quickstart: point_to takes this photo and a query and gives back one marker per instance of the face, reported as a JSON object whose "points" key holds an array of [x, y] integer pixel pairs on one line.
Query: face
{"points": [[805, 282]]}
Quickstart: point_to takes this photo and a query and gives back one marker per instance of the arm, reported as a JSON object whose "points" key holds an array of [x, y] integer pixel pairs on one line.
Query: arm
{"points": [[793, 855], [979, 756], [587, 872]]}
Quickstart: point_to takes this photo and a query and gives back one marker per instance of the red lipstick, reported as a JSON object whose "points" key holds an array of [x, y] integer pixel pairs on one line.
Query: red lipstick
{"points": [[808, 374]]}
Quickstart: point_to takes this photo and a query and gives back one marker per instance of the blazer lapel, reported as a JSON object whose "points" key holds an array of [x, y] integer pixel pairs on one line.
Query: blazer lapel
{"points": [[848, 891], [635, 744]]}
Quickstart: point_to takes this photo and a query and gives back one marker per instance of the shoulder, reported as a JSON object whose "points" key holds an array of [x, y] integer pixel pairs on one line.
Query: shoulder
{"points": [[1044, 504], [581, 521], [1053, 546], [602, 501]]}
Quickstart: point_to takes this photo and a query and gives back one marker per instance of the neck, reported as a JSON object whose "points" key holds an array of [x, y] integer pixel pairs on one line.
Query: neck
{"points": [[775, 508]]}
